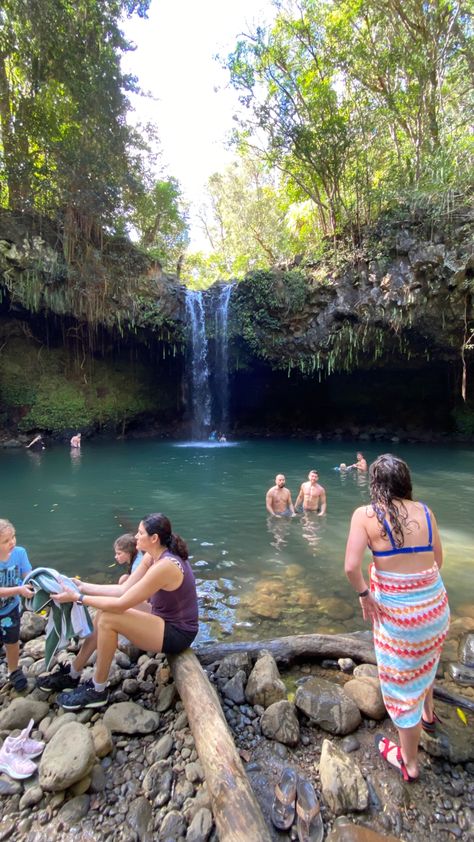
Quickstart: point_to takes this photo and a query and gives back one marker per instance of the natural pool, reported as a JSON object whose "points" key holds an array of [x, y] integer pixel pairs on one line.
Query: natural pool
{"points": [[258, 576]]}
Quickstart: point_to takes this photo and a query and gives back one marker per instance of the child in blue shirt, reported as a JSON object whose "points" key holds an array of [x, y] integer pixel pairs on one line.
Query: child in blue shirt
{"points": [[14, 565]]}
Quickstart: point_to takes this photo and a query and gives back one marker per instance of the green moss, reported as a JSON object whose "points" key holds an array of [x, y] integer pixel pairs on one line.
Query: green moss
{"points": [[42, 388]]}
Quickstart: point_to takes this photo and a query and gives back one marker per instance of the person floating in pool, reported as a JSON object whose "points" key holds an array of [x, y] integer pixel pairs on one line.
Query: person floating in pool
{"points": [[278, 499], [312, 495]]}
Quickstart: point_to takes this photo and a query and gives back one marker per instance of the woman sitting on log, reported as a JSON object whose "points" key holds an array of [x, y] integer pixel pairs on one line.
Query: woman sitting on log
{"points": [[164, 578], [407, 603]]}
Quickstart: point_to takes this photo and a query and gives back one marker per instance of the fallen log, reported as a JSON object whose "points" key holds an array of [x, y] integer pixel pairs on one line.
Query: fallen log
{"points": [[287, 650], [236, 811]]}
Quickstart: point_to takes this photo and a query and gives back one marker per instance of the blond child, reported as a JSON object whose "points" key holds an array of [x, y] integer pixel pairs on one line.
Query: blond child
{"points": [[14, 565]]}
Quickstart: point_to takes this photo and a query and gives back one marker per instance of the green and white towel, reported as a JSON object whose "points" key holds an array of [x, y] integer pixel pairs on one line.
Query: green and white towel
{"points": [[66, 620]]}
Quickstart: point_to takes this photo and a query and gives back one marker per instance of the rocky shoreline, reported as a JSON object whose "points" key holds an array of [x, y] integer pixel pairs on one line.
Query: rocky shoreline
{"points": [[131, 773]]}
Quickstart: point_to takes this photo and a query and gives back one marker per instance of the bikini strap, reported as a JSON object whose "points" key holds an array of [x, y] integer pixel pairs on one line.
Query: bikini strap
{"points": [[429, 524]]}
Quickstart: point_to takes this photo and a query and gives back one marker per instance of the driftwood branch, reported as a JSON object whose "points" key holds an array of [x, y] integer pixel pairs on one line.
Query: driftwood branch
{"points": [[287, 650], [236, 811]]}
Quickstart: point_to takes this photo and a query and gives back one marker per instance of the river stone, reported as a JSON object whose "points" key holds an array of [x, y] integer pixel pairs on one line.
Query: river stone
{"points": [[97, 779], [57, 723], [336, 608], [358, 833], [280, 723], [8, 786], [234, 688], [130, 718], [466, 650], [139, 815], [80, 787], [32, 625], [19, 712], [232, 664], [30, 797], [173, 826], [367, 695], [364, 670], [265, 686], [67, 758], [159, 750], [343, 786], [152, 779], [200, 827], [35, 648], [166, 698], [328, 706], [102, 737], [73, 810]]}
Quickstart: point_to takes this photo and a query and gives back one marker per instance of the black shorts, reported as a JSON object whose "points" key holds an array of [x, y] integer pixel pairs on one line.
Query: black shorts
{"points": [[176, 640], [10, 626]]}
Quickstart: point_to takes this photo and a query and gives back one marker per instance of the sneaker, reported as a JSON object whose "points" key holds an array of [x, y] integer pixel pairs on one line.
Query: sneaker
{"points": [[59, 680], [18, 680], [14, 764], [84, 696], [23, 744]]}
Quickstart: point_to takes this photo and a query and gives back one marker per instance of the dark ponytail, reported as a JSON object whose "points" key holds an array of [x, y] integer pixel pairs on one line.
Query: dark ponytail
{"points": [[159, 524]]}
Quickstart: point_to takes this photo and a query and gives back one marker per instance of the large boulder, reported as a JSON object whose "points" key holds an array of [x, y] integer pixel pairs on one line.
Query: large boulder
{"points": [[67, 758], [328, 706], [19, 712], [367, 695], [343, 785], [265, 686]]}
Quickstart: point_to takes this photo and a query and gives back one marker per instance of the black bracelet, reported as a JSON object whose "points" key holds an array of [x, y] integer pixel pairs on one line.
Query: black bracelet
{"points": [[79, 601], [364, 593]]}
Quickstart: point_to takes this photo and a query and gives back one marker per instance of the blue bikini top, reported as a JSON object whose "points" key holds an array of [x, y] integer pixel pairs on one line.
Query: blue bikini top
{"points": [[404, 550]]}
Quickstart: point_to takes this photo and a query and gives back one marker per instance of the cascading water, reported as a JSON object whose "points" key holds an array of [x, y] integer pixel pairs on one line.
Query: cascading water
{"points": [[221, 359], [200, 394]]}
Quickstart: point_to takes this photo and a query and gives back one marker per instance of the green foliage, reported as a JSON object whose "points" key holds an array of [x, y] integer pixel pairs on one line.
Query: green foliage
{"points": [[160, 217], [262, 303], [362, 105]]}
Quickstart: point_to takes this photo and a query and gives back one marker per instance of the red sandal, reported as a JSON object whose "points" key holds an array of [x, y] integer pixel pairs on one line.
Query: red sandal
{"points": [[396, 760]]}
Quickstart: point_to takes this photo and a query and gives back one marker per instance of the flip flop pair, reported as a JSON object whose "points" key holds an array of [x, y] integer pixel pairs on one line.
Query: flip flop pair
{"points": [[392, 753], [296, 797]]}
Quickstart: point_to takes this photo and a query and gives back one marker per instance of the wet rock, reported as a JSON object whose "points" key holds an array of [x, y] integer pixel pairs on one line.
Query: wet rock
{"points": [[343, 786], [279, 722], [130, 718], [166, 697], [67, 758], [367, 695], [265, 686], [452, 739], [336, 608], [173, 826], [358, 833], [362, 670], [328, 706]]}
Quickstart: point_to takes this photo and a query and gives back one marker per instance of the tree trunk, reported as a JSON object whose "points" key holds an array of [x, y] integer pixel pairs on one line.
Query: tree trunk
{"points": [[236, 811], [286, 650]]}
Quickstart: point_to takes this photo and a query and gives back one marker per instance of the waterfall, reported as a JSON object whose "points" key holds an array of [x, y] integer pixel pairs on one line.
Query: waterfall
{"points": [[200, 393], [221, 361]]}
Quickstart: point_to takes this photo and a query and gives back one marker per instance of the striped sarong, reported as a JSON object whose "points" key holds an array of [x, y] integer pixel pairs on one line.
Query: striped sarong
{"points": [[408, 638]]}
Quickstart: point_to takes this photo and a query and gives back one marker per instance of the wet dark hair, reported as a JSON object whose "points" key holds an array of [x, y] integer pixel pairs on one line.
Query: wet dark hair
{"points": [[390, 480], [158, 524], [128, 544]]}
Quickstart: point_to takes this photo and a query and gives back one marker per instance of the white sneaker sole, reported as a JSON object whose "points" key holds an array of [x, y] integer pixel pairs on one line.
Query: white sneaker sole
{"points": [[17, 776]]}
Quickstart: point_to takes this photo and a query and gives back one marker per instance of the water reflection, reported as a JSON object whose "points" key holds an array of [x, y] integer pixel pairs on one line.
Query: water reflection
{"points": [[311, 529], [75, 454], [279, 529]]}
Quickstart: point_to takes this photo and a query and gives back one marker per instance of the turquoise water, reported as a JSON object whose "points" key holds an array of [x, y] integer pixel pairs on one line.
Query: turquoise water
{"points": [[257, 576]]}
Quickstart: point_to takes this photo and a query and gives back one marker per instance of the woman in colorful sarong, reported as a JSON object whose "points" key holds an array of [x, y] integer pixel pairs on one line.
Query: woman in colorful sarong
{"points": [[406, 602]]}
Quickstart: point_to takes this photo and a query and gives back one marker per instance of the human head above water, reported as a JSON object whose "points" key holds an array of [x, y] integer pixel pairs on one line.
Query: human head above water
{"points": [[126, 544], [389, 479], [158, 524]]}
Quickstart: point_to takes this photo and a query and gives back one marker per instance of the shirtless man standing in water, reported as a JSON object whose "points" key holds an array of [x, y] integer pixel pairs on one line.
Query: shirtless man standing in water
{"points": [[278, 500], [312, 495]]}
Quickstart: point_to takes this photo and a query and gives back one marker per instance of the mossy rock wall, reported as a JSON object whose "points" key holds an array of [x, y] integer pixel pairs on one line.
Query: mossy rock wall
{"points": [[50, 389]]}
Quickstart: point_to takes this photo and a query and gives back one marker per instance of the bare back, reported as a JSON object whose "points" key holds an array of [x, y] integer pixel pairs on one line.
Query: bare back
{"points": [[416, 533]]}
